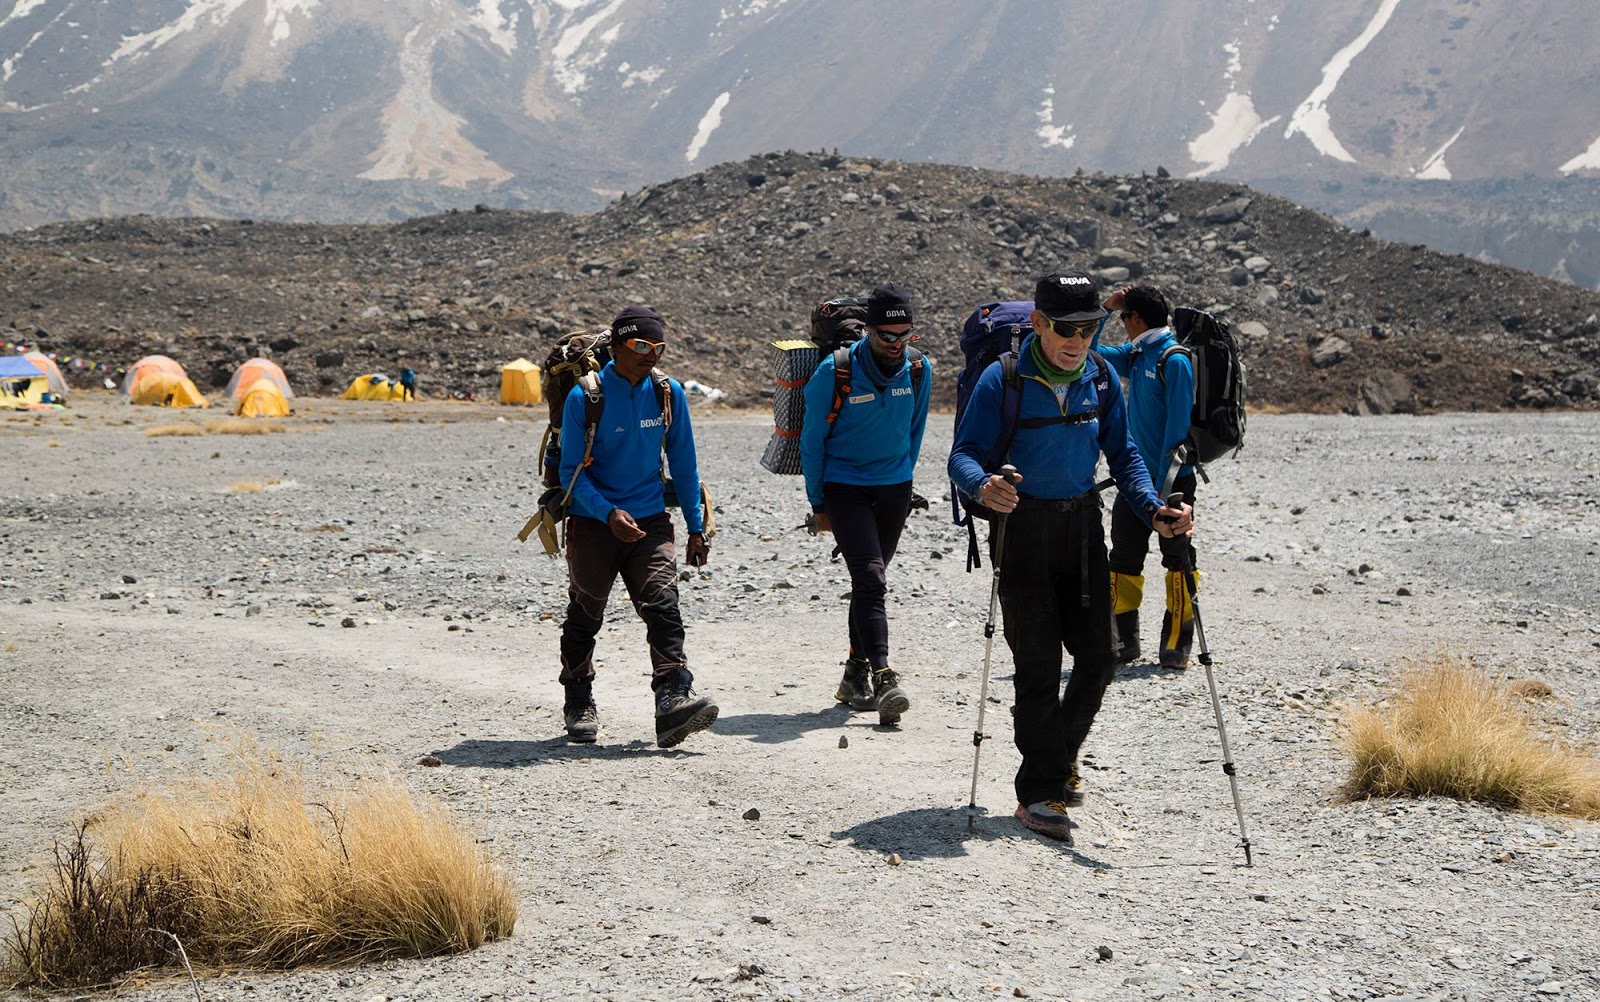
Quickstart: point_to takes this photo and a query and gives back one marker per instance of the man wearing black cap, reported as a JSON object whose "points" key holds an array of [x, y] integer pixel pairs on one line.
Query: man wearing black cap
{"points": [[1053, 570], [866, 409], [619, 525]]}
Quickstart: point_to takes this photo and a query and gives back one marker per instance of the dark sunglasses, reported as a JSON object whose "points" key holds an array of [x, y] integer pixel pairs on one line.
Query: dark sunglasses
{"points": [[889, 338], [643, 347], [1085, 330]]}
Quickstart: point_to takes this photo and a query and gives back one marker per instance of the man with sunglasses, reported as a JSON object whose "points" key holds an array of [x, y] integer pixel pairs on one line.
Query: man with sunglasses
{"points": [[619, 526], [1160, 396], [858, 447], [1052, 573]]}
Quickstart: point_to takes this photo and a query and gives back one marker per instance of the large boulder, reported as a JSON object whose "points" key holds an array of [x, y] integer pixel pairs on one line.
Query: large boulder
{"points": [[1385, 392]]}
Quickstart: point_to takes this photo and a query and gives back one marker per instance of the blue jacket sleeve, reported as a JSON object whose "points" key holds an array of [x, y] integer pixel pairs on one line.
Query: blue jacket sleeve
{"points": [[981, 424], [1133, 480], [585, 498], [814, 430], [1179, 376], [681, 460], [919, 415], [1118, 356]]}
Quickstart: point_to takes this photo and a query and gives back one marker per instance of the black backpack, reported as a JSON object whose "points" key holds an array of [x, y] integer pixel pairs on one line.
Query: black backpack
{"points": [[1217, 418]]}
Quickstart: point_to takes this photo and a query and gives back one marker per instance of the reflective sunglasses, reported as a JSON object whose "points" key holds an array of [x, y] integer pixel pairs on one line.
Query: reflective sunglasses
{"points": [[888, 337], [643, 347], [1085, 330]]}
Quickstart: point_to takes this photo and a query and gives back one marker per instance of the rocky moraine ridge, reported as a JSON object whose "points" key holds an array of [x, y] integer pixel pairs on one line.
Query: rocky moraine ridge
{"points": [[1332, 320]]}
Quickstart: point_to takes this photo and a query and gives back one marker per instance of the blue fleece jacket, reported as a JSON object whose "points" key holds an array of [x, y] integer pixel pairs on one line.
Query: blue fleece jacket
{"points": [[878, 434], [1158, 412], [625, 468], [1056, 461]]}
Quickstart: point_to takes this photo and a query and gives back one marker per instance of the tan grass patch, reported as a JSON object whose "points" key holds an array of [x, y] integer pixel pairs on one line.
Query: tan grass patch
{"points": [[246, 487], [1529, 688], [242, 426], [53, 443], [174, 431], [254, 870], [1451, 732]]}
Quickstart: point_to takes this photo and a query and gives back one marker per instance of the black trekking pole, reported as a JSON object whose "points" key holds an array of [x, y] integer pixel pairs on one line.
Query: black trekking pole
{"points": [[1176, 501], [1010, 473]]}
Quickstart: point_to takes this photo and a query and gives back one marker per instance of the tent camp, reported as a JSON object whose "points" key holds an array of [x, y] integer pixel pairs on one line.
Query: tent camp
{"points": [[56, 383], [260, 389], [519, 383], [22, 384], [159, 381], [377, 386]]}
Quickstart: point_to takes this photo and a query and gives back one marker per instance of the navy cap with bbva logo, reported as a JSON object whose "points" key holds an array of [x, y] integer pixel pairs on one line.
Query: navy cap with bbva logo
{"points": [[638, 321], [888, 304], [1068, 296]]}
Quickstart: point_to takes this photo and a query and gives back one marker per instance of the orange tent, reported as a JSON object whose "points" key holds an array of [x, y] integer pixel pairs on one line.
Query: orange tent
{"points": [[256, 369], [57, 383], [158, 380]]}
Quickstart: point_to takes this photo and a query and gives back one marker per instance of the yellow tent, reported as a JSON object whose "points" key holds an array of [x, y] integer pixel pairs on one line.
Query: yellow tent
{"points": [[262, 399], [248, 374], [377, 386], [519, 383], [160, 388], [22, 384], [56, 382]]}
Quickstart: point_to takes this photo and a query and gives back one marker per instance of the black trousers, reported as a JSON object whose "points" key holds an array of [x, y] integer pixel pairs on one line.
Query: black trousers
{"points": [[649, 570], [1130, 537], [867, 522], [1054, 595]]}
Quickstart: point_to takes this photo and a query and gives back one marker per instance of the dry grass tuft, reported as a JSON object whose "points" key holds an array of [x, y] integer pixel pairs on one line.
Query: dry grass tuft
{"points": [[174, 431], [1450, 732], [246, 487], [242, 426], [53, 443], [254, 871]]}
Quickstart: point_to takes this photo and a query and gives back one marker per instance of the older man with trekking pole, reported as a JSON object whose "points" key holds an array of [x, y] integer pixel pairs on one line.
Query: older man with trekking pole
{"points": [[1065, 408]]}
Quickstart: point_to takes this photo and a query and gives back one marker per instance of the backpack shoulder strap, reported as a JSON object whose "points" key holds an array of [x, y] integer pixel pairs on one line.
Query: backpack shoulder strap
{"points": [[663, 399], [593, 400], [1102, 384], [918, 367], [1010, 406], [1168, 352], [841, 382]]}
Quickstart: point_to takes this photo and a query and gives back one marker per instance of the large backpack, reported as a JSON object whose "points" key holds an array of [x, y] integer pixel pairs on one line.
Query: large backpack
{"points": [[574, 354], [1217, 417], [993, 333]]}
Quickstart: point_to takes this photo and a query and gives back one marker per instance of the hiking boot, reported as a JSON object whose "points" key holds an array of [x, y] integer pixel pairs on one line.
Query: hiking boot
{"points": [[890, 699], [1074, 794], [680, 711], [855, 689], [1128, 637], [1048, 818], [579, 713], [1175, 650]]}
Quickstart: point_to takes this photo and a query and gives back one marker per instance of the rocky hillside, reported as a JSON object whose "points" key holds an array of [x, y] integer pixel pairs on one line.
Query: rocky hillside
{"points": [[734, 256]]}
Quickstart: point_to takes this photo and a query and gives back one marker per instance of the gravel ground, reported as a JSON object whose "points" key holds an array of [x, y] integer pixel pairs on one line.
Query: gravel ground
{"points": [[147, 599]]}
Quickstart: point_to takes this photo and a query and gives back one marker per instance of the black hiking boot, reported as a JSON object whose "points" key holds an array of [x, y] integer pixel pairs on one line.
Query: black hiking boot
{"points": [[580, 714], [892, 701], [1128, 637], [855, 689], [1074, 794], [1176, 655], [680, 711]]}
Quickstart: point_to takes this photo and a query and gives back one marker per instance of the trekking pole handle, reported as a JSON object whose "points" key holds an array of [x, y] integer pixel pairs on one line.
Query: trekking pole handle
{"points": [[1010, 473], [1174, 500]]}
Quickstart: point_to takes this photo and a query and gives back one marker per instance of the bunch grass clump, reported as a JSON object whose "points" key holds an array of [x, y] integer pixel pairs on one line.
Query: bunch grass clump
{"points": [[174, 431], [249, 871], [1450, 731], [242, 426]]}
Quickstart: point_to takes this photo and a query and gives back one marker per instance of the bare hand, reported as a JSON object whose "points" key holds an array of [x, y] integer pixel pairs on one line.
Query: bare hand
{"points": [[697, 550], [623, 527], [1117, 299], [821, 523], [1177, 521], [997, 494]]}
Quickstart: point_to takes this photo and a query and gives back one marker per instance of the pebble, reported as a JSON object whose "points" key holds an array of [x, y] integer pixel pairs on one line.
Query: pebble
{"points": [[753, 814]]}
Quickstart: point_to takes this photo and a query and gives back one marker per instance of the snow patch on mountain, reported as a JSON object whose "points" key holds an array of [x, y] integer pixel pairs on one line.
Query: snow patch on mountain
{"points": [[22, 10], [1311, 118], [570, 66], [647, 76], [747, 8], [1233, 125], [1589, 159], [422, 139], [1051, 133], [1434, 169], [708, 124], [502, 31]]}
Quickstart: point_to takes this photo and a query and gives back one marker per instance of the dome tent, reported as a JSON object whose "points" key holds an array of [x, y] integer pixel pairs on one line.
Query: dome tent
{"points": [[157, 380], [260, 389], [56, 383]]}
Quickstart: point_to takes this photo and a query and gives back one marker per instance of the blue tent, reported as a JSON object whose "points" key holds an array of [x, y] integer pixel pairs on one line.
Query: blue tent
{"points": [[17, 367]]}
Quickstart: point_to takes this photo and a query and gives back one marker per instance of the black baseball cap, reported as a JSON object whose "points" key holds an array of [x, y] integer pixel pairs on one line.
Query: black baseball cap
{"points": [[888, 304], [638, 321], [1068, 296]]}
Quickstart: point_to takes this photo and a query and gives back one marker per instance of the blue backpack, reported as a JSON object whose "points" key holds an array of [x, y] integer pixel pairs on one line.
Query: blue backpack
{"points": [[994, 333]]}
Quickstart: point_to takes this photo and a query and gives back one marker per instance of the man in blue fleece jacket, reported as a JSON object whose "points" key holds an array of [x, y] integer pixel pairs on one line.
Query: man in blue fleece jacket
{"points": [[619, 525], [858, 459], [1160, 396], [1053, 569]]}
